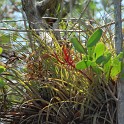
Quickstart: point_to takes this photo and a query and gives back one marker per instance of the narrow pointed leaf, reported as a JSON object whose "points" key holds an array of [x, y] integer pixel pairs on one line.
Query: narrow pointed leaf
{"points": [[77, 45], [95, 37]]}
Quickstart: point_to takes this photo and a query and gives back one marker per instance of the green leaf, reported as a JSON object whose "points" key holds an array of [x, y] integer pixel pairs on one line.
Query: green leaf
{"points": [[100, 59], [2, 83], [90, 52], [115, 61], [107, 58], [116, 66], [99, 50], [83, 64], [77, 45], [94, 38], [120, 56], [2, 69], [115, 70], [107, 69], [98, 70], [1, 50]]}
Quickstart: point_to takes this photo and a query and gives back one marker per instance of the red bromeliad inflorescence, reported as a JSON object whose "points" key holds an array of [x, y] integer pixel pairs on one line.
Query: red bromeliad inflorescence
{"points": [[68, 60], [67, 56]]}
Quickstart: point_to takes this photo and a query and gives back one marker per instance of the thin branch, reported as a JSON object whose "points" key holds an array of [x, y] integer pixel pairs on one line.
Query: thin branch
{"points": [[56, 30], [82, 13]]}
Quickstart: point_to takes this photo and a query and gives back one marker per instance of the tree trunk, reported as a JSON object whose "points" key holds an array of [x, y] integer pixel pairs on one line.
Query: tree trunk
{"points": [[34, 19], [118, 45], [35, 10]]}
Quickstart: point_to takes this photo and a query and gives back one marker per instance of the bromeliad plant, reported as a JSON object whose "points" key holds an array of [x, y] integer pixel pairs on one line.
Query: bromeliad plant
{"points": [[103, 66], [70, 83], [96, 58], [100, 67]]}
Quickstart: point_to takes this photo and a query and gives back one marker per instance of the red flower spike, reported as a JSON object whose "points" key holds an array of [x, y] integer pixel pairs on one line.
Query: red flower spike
{"points": [[67, 56]]}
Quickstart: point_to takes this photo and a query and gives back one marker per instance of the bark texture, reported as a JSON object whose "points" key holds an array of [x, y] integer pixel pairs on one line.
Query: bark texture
{"points": [[34, 18], [35, 10], [118, 45]]}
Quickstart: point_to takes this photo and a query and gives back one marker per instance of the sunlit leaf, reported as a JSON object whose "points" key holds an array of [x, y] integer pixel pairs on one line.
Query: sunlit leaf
{"points": [[83, 64], [116, 65], [77, 45], [120, 56], [116, 61], [107, 68], [94, 38], [90, 52], [99, 50], [1, 50], [116, 70]]}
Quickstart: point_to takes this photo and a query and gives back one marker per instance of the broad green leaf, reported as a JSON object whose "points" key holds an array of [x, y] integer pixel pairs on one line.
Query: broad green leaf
{"points": [[107, 58], [83, 64], [1, 50], [94, 38], [2, 69], [107, 69], [115, 70], [115, 61], [100, 59], [91, 52], [120, 56], [77, 45], [116, 66], [99, 50], [2, 83]]}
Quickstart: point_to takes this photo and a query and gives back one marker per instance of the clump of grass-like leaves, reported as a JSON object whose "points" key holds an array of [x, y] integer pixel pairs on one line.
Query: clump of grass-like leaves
{"points": [[74, 86], [69, 83]]}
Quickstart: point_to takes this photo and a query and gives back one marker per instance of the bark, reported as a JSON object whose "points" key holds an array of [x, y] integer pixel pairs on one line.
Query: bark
{"points": [[34, 19], [118, 45], [34, 11]]}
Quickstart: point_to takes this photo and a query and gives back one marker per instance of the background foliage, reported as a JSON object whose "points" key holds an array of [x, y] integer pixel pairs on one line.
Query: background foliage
{"points": [[71, 81]]}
